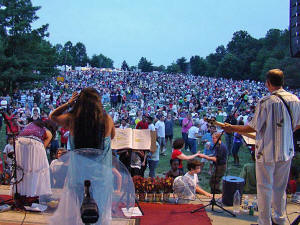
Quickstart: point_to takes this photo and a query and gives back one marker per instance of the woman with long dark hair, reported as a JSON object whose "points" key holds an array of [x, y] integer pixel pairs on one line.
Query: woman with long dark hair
{"points": [[90, 158], [87, 121]]}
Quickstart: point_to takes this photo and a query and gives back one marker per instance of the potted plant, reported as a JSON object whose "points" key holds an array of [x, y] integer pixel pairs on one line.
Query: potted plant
{"points": [[140, 187], [159, 188], [167, 188], [150, 187]]}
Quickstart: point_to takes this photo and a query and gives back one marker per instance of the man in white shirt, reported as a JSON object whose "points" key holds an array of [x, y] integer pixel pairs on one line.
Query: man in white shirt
{"points": [[3, 103], [160, 129], [274, 146], [193, 134], [37, 108]]}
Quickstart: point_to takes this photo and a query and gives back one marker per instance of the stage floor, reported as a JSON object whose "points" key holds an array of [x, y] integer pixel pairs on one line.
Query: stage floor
{"points": [[217, 217]]}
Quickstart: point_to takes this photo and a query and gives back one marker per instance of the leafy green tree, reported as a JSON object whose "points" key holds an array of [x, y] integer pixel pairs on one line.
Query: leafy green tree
{"points": [[290, 67], [101, 61], [80, 56], [183, 64], [213, 60], [144, 65], [173, 68], [68, 54], [24, 48], [230, 67], [160, 68], [270, 63], [125, 66], [198, 65]]}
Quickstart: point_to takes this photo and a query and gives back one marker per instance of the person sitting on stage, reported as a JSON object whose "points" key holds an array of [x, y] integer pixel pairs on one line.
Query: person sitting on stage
{"points": [[174, 171], [178, 145], [249, 175], [194, 167], [219, 158]]}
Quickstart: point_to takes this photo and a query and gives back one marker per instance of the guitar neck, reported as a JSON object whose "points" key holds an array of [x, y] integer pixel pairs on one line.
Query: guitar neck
{"points": [[249, 135]]}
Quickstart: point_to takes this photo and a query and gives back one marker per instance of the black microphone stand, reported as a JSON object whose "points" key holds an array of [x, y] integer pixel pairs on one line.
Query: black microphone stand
{"points": [[17, 202], [213, 201]]}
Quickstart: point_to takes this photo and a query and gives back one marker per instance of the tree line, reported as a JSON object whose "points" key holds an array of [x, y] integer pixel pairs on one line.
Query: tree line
{"points": [[244, 57], [26, 55]]}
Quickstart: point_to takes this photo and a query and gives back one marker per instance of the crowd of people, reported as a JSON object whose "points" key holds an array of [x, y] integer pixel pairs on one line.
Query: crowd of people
{"points": [[152, 101]]}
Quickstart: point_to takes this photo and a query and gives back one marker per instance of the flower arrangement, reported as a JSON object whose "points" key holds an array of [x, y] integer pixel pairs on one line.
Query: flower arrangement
{"points": [[139, 184], [153, 185], [168, 184], [159, 185], [150, 185]]}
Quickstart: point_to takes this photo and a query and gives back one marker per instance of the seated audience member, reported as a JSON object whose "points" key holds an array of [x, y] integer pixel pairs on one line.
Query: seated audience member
{"points": [[194, 168], [178, 145], [209, 152], [249, 175], [174, 171]]}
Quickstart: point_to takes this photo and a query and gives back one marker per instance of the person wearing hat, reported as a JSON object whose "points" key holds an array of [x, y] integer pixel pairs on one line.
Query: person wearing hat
{"points": [[193, 134]]}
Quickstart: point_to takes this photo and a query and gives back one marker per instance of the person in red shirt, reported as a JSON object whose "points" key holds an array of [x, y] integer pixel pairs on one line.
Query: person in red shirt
{"points": [[63, 138], [143, 124], [178, 145], [13, 127]]}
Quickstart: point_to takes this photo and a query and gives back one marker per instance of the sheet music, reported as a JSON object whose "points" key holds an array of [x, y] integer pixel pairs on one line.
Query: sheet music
{"points": [[141, 139], [122, 139]]}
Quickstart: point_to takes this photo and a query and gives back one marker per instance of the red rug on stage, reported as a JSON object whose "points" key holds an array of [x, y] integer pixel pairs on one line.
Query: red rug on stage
{"points": [[6, 198], [172, 214]]}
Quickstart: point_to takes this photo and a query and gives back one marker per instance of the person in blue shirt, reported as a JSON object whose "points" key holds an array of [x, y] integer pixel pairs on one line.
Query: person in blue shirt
{"points": [[219, 158]]}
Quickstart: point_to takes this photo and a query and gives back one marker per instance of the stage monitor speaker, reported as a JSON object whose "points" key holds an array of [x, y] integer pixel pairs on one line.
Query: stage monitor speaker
{"points": [[295, 28]]}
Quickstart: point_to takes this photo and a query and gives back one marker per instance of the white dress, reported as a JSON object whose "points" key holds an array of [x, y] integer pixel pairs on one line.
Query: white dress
{"points": [[31, 157]]}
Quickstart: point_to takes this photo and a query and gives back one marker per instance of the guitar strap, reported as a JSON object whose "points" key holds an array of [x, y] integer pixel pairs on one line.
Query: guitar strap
{"points": [[287, 107]]}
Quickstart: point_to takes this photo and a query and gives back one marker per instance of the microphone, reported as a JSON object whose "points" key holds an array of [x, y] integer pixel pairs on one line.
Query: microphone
{"points": [[241, 97], [89, 209]]}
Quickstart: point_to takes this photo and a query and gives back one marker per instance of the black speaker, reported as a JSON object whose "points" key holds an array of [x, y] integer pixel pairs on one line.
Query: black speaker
{"points": [[295, 28]]}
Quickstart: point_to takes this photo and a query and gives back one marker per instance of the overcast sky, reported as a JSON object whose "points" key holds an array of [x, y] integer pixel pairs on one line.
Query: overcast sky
{"points": [[160, 30]]}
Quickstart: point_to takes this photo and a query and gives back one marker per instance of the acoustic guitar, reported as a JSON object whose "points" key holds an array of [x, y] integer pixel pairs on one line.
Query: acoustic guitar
{"points": [[251, 135]]}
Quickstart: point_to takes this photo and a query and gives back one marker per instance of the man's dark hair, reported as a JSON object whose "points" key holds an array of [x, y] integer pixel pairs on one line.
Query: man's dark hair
{"points": [[174, 160], [192, 164], [178, 143], [275, 77]]}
